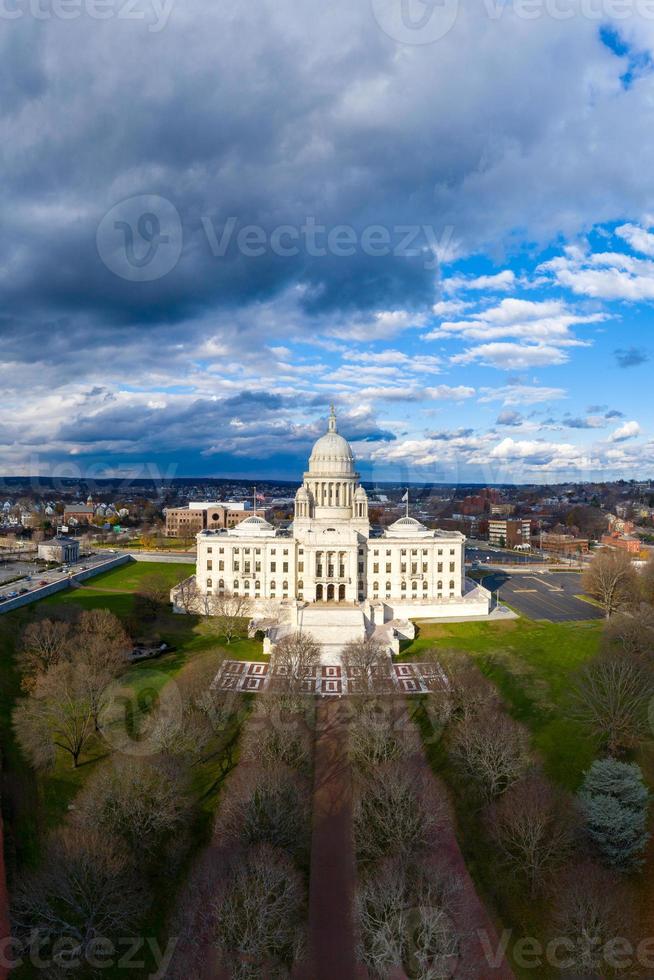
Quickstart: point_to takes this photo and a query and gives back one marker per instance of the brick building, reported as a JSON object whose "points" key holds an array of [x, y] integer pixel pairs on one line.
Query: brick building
{"points": [[563, 544], [622, 542], [186, 522]]}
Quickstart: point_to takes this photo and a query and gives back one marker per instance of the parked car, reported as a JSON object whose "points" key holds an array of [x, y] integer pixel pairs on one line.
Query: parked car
{"points": [[44, 582]]}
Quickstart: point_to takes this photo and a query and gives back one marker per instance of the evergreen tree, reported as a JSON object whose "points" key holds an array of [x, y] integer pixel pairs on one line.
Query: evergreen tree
{"points": [[614, 801]]}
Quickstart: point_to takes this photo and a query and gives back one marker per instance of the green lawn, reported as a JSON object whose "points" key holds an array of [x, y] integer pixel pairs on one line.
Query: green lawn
{"points": [[532, 664]]}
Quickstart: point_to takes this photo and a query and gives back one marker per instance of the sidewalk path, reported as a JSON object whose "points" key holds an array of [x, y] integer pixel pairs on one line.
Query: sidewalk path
{"points": [[333, 871]]}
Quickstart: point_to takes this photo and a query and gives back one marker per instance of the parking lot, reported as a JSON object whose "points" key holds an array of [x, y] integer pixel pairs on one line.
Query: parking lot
{"points": [[36, 577], [543, 595], [496, 556]]}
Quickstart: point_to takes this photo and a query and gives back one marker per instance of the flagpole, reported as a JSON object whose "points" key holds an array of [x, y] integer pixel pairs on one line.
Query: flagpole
{"points": [[407, 501]]}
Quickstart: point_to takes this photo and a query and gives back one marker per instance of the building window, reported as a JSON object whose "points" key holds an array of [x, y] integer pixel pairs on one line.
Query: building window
{"points": [[272, 586], [452, 584], [209, 550], [300, 566], [403, 586], [235, 585], [388, 588], [300, 584], [452, 566], [375, 586], [440, 584], [273, 566], [221, 585], [403, 567], [375, 568], [209, 583], [414, 586], [285, 566], [257, 584], [440, 566], [209, 564], [221, 565], [424, 586], [285, 587], [388, 566], [424, 567]]}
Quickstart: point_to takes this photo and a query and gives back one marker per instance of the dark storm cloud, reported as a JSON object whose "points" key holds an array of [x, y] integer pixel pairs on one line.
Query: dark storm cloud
{"points": [[250, 423], [270, 113], [631, 356]]}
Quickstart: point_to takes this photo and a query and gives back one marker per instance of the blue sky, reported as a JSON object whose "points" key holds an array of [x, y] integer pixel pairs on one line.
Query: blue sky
{"points": [[477, 300]]}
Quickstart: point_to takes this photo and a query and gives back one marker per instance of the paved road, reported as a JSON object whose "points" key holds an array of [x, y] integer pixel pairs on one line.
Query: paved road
{"points": [[544, 595]]}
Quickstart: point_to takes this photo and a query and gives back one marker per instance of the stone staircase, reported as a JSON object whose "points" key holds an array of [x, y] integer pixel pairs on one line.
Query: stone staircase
{"points": [[332, 627]]}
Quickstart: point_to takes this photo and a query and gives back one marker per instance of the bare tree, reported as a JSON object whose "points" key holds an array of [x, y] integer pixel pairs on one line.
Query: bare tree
{"points": [[632, 633], [396, 811], [99, 647], [266, 806], [100, 639], [611, 697], [295, 658], [368, 659], [135, 801], [259, 916], [278, 736], [229, 612], [405, 922], [592, 906], [381, 731], [43, 644], [84, 890], [647, 582], [612, 580], [533, 826], [491, 749], [58, 713], [187, 595]]}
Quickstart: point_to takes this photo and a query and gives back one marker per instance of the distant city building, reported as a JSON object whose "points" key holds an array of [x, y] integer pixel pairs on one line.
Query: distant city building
{"points": [[79, 514], [502, 510], [183, 522], [59, 549], [563, 544], [509, 534], [622, 542]]}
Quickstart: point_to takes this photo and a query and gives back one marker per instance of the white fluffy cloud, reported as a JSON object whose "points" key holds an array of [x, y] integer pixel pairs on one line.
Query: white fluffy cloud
{"points": [[512, 357], [627, 431]]}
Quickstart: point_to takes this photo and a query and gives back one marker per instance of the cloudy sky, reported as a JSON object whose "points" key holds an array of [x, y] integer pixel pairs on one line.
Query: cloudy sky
{"points": [[218, 218]]}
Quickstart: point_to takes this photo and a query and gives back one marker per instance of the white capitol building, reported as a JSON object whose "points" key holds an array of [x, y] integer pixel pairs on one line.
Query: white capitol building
{"points": [[330, 573]]}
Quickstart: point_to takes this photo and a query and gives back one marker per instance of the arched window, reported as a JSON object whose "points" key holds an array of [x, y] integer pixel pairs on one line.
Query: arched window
{"points": [[209, 583], [285, 586], [300, 584], [414, 586], [235, 585], [221, 583], [440, 585], [257, 584], [424, 585], [388, 586], [375, 586], [272, 586], [403, 586]]}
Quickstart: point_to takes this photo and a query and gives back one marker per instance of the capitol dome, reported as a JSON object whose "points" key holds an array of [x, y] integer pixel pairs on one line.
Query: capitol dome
{"points": [[332, 454]]}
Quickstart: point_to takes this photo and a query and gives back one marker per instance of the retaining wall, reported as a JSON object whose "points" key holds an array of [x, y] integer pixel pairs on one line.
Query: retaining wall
{"points": [[36, 594]]}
